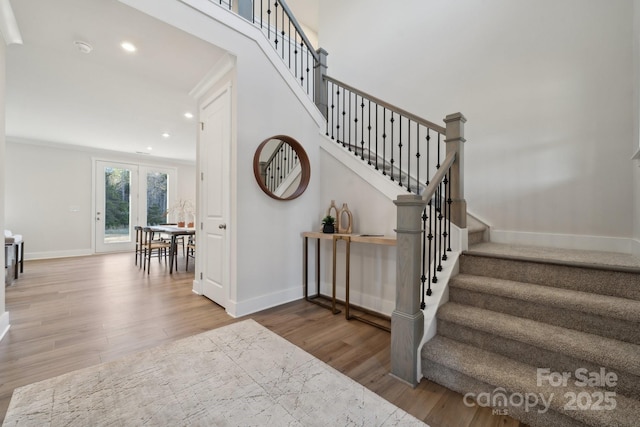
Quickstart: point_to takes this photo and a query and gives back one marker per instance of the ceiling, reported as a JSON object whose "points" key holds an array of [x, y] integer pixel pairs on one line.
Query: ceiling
{"points": [[108, 99]]}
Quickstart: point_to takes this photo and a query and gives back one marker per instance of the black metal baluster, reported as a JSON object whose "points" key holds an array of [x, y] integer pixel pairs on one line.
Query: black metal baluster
{"points": [[355, 126], [439, 192], [434, 277], [289, 43], [431, 279], [369, 128], [392, 161], [261, 13], [348, 138], [283, 33], [308, 69], [423, 277], [384, 141], [301, 62], [344, 138], [275, 29], [269, 20], [329, 115], [449, 201], [295, 54], [418, 182], [400, 152], [409, 154], [377, 133], [338, 116], [445, 232], [428, 138], [361, 127]]}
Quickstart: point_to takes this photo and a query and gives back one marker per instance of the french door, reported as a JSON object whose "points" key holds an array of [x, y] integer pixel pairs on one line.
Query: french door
{"points": [[126, 195]]}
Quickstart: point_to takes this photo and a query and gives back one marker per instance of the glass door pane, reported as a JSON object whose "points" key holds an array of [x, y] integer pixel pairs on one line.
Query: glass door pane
{"points": [[157, 197], [117, 218]]}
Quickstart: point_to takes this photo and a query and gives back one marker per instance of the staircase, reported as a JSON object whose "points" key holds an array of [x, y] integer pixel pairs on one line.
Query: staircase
{"points": [[519, 318]]}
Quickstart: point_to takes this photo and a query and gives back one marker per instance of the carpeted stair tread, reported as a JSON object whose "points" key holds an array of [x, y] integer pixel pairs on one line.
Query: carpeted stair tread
{"points": [[616, 281], [602, 305], [618, 355], [515, 377]]}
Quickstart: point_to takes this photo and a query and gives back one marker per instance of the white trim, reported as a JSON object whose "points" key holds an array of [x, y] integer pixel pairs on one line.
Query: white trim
{"points": [[8, 24], [563, 241], [57, 254], [263, 302], [4, 324], [635, 247], [222, 67]]}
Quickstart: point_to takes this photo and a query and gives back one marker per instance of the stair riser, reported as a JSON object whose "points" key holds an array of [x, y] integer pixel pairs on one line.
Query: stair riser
{"points": [[476, 237], [584, 322], [604, 282], [627, 384], [463, 384]]}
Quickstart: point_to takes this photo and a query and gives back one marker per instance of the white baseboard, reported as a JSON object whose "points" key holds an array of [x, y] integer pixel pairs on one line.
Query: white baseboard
{"points": [[4, 324], [58, 254], [565, 241], [253, 305], [197, 287]]}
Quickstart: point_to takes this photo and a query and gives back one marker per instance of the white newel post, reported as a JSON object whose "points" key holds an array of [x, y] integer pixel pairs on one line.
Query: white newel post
{"points": [[407, 320]]}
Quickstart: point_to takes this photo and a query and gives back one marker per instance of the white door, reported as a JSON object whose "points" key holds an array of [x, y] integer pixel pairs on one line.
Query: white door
{"points": [[212, 242], [116, 206]]}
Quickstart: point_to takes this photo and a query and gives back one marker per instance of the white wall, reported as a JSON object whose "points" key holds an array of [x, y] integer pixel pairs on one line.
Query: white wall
{"points": [[4, 315], [636, 123], [546, 87], [43, 182], [266, 246], [373, 267]]}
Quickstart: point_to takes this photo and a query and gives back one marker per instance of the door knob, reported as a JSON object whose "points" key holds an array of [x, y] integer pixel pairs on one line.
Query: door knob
{"points": [[222, 226]]}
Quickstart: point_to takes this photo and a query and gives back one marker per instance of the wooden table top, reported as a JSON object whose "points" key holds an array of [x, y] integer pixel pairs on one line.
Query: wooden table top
{"points": [[376, 239]]}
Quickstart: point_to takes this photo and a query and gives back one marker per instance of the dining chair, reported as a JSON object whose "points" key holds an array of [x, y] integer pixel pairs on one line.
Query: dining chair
{"points": [[139, 246], [179, 239], [150, 244], [191, 251]]}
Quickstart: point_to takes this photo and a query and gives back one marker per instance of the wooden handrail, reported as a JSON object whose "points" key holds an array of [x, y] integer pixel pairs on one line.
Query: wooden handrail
{"points": [[413, 117], [428, 193]]}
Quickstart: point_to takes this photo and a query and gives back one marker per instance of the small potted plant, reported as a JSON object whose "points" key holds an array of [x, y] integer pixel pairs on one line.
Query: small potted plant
{"points": [[328, 224]]}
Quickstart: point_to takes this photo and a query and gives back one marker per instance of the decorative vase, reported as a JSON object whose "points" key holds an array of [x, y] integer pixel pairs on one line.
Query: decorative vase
{"points": [[349, 223], [333, 211], [181, 224], [328, 228]]}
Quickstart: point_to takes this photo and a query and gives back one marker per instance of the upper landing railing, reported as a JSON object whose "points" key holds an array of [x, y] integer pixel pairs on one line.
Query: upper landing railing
{"points": [[280, 27], [424, 158]]}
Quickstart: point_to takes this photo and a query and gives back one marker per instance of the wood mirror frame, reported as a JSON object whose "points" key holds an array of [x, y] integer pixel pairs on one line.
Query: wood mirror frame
{"points": [[303, 160]]}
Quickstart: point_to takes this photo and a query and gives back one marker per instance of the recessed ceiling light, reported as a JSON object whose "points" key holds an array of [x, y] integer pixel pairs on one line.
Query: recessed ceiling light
{"points": [[149, 148], [83, 47], [166, 135], [129, 47], [188, 115]]}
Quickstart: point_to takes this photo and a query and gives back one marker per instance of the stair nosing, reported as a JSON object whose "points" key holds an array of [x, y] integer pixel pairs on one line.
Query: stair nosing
{"points": [[485, 373], [575, 264], [517, 291], [582, 351]]}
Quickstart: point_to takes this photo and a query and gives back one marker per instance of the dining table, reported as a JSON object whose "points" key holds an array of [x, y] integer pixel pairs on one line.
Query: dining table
{"points": [[174, 232]]}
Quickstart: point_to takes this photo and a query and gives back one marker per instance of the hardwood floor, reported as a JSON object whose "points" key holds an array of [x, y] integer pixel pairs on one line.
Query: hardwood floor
{"points": [[72, 313]]}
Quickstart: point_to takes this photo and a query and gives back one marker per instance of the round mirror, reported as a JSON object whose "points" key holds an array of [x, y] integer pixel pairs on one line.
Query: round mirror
{"points": [[281, 167]]}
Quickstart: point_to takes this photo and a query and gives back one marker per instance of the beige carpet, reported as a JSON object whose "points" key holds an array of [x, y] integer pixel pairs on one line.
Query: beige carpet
{"points": [[238, 375]]}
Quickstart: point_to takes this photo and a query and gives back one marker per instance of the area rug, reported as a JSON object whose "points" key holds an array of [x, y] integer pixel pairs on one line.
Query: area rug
{"points": [[238, 375]]}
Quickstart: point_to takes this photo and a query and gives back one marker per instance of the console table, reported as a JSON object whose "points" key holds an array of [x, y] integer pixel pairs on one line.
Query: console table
{"points": [[335, 238]]}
